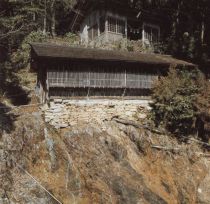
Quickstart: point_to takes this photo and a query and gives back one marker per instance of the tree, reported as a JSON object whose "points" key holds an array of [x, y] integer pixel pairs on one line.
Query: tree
{"points": [[203, 113], [175, 100], [189, 33], [188, 26]]}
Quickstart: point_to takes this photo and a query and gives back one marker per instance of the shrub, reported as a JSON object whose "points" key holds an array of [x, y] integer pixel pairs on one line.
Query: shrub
{"points": [[175, 99], [72, 38]]}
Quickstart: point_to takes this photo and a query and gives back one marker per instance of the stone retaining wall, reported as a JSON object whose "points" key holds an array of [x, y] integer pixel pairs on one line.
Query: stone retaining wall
{"points": [[65, 113]]}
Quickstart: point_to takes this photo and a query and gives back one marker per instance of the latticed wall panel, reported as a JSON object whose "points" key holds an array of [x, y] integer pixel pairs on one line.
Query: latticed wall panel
{"points": [[99, 76]]}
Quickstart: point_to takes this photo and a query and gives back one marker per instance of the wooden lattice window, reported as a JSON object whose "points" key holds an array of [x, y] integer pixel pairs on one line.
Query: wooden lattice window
{"points": [[112, 24], [121, 26], [151, 33], [116, 26]]}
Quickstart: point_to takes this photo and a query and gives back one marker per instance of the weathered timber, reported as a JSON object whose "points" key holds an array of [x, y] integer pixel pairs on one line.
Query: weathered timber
{"points": [[165, 148]]}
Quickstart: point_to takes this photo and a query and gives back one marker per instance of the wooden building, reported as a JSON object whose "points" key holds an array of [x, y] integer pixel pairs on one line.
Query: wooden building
{"points": [[66, 72], [105, 21]]}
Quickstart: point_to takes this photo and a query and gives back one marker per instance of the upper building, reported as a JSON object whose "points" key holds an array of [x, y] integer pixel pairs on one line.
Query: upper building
{"points": [[106, 21]]}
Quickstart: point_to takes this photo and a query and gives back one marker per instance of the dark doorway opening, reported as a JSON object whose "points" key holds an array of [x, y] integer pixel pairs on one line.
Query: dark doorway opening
{"points": [[134, 30]]}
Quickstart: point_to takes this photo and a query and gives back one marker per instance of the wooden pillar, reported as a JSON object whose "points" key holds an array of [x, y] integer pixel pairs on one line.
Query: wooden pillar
{"points": [[106, 28]]}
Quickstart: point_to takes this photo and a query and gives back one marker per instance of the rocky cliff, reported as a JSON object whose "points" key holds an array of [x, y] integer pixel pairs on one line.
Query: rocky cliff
{"points": [[123, 162]]}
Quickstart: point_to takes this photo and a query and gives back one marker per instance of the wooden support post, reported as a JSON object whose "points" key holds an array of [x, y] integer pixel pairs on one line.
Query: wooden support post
{"points": [[124, 92], [125, 78], [88, 93]]}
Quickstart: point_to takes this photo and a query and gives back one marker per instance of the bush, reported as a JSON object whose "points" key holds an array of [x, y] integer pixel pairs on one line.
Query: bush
{"points": [[72, 38], [175, 100]]}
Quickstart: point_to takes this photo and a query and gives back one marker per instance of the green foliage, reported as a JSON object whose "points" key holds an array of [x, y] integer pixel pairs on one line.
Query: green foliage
{"points": [[134, 46], [174, 100], [20, 59], [71, 38]]}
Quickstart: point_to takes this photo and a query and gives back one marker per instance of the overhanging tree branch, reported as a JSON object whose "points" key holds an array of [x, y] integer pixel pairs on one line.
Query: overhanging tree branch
{"points": [[12, 32]]}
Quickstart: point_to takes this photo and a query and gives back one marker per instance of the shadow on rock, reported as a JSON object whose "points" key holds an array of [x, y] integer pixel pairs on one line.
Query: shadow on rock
{"points": [[16, 94], [6, 119]]}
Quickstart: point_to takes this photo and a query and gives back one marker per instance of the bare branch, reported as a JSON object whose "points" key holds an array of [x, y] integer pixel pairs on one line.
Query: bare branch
{"points": [[12, 32], [165, 148]]}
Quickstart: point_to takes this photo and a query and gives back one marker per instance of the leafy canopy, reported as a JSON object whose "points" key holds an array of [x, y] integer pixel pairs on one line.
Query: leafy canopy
{"points": [[175, 99]]}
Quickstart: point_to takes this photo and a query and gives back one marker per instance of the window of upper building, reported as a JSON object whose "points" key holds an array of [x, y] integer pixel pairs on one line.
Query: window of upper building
{"points": [[151, 33], [116, 25]]}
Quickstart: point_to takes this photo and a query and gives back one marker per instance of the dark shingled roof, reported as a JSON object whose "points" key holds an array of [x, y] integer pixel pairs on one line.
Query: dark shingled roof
{"points": [[46, 50]]}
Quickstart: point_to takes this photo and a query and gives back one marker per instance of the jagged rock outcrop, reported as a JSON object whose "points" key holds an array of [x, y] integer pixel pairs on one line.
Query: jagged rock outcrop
{"points": [[86, 164]]}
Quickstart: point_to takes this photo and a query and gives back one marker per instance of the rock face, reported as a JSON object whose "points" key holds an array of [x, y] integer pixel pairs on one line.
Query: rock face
{"points": [[97, 163]]}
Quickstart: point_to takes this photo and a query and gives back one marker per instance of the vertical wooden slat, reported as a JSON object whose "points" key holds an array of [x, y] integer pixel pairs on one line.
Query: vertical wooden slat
{"points": [[107, 78]]}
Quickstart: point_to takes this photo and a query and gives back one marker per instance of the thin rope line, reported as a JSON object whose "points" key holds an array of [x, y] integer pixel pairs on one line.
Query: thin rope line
{"points": [[40, 185]]}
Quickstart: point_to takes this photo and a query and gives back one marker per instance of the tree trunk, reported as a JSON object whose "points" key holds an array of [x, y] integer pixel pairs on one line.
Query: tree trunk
{"points": [[176, 18], [53, 23], [34, 13], [52, 20], [45, 19], [202, 31]]}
